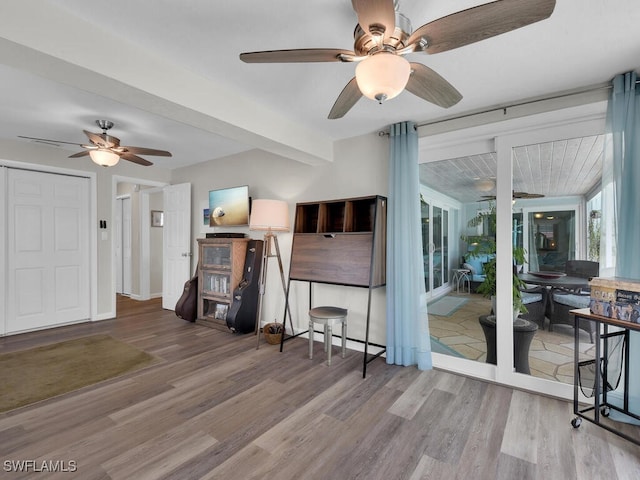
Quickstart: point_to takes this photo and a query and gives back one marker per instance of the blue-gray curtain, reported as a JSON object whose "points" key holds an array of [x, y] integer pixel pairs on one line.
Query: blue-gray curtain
{"points": [[408, 341], [623, 125], [624, 121]]}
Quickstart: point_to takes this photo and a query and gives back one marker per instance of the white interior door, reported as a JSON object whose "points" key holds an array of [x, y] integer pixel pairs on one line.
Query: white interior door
{"points": [[48, 269], [126, 246], [117, 236], [176, 267]]}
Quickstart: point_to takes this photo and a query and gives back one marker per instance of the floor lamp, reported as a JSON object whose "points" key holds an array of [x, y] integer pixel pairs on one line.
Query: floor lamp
{"points": [[270, 216]]}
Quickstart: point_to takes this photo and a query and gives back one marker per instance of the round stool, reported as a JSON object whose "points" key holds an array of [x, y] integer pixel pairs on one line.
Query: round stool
{"points": [[328, 316]]}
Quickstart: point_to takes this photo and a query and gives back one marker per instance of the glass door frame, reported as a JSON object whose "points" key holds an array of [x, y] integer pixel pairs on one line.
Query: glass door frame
{"points": [[502, 138], [576, 205], [432, 202]]}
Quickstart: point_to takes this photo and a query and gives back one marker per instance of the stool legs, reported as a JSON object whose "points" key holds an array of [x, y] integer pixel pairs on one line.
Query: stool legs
{"points": [[328, 336], [328, 316], [327, 342], [344, 338]]}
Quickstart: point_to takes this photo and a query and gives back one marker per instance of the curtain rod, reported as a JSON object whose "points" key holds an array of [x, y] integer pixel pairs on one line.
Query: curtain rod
{"points": [[504, 108]]}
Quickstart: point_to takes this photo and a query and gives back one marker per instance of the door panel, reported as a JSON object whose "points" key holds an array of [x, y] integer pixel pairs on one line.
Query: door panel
{"points": [[176, 242], [435, 243], [48, 250], [126, 246], [117, 224]]}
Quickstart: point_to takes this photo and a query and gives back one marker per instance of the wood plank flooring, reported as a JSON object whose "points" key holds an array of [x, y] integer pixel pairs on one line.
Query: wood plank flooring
{"points": [[214, 407]]}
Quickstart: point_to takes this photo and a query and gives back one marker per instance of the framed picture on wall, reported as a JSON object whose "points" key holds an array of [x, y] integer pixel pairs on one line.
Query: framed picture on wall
{"points": [[157, 218]]}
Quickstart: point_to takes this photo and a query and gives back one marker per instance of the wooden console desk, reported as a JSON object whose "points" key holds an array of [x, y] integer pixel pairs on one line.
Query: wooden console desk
{"points": [[601, 406], [340, 242]]}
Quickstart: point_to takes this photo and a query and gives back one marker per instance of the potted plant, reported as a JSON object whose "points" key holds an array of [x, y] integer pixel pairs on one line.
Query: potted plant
{"points": [[488, 287], [486, 245]]}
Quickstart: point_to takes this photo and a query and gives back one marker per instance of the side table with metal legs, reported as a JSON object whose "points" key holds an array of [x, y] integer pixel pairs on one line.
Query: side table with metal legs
{"points": [[461, 277]]}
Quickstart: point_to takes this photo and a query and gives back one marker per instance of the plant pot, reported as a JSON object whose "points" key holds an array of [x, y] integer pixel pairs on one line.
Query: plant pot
{"points": [[523, 333]]}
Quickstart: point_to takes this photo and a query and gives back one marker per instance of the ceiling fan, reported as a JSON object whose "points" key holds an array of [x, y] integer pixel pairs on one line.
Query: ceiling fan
{"points": [[384, 35], [516, 196], [105, 150]]}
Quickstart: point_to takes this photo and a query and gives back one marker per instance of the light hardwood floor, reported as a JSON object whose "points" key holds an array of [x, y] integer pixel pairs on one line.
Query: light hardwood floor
{"points": [[214, 407]]}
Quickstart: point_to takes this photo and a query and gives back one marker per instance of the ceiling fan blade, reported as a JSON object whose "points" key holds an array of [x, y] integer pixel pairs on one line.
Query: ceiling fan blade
{"points": [[299, 55], [376, 16], [348, 97], [143, 151], [428, 85], [80, 154], [524, 195], [46, 140], [135, 159], [481, 22], [102, 140]]}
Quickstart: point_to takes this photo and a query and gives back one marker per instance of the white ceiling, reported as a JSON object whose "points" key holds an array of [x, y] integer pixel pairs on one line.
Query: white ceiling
{"points": [[553, 169], [168, 74]]}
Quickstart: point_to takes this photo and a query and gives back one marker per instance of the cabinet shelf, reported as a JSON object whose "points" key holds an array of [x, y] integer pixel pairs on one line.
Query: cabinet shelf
{"points": [[220, 269], [339, 216]]}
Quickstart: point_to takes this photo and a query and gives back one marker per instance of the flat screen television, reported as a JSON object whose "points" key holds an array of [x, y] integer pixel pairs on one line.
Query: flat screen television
{"points": [[229, 207]]}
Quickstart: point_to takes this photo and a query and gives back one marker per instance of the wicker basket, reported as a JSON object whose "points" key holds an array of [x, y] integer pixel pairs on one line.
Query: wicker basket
{"points": [[272, 333]]}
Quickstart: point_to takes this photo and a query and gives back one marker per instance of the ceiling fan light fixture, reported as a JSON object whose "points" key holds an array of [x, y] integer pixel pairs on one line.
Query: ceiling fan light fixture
{"points": [[104, 158], [382, 76], [485, 184]]}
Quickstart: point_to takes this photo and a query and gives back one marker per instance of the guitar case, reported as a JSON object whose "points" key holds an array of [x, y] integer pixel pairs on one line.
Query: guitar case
{"points": [[187, 306], [241, 317]]}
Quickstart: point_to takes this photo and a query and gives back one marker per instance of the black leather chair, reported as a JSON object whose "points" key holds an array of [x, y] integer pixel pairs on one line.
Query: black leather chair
{"points": [[562, 301], [582, 268], [535, 300]]}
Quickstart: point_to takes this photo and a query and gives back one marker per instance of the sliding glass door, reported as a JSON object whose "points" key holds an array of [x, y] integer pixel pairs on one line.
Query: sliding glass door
{"points": [[435, 246], [531, 191]]}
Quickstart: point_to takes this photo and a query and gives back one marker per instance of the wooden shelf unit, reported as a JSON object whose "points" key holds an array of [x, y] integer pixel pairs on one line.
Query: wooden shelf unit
{"points": [[341, 242], [220, 270]]}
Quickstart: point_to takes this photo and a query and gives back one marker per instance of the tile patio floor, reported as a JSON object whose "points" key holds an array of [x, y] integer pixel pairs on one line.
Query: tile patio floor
{"points": [[551, 355]]}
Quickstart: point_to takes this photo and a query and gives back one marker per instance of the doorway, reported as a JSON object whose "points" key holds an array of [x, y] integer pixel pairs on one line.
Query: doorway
{"points": [[137, 247], [533, 176], [122, 234]]}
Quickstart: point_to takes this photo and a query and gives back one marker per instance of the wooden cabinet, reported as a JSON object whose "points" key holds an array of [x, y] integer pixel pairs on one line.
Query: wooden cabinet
{"points": [[341, 242], [220, 269]]}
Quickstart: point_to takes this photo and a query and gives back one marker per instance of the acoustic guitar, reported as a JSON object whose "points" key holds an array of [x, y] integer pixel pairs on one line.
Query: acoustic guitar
{"points": [[187, 306]]}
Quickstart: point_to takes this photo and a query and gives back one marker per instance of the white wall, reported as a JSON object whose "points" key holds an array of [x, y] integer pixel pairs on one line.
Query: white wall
{"points": [[360, 168]]}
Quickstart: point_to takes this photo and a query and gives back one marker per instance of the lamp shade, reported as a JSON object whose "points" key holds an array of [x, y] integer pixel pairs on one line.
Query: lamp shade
{"points": [[104, 158], [382, 76], [269, 215]]}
